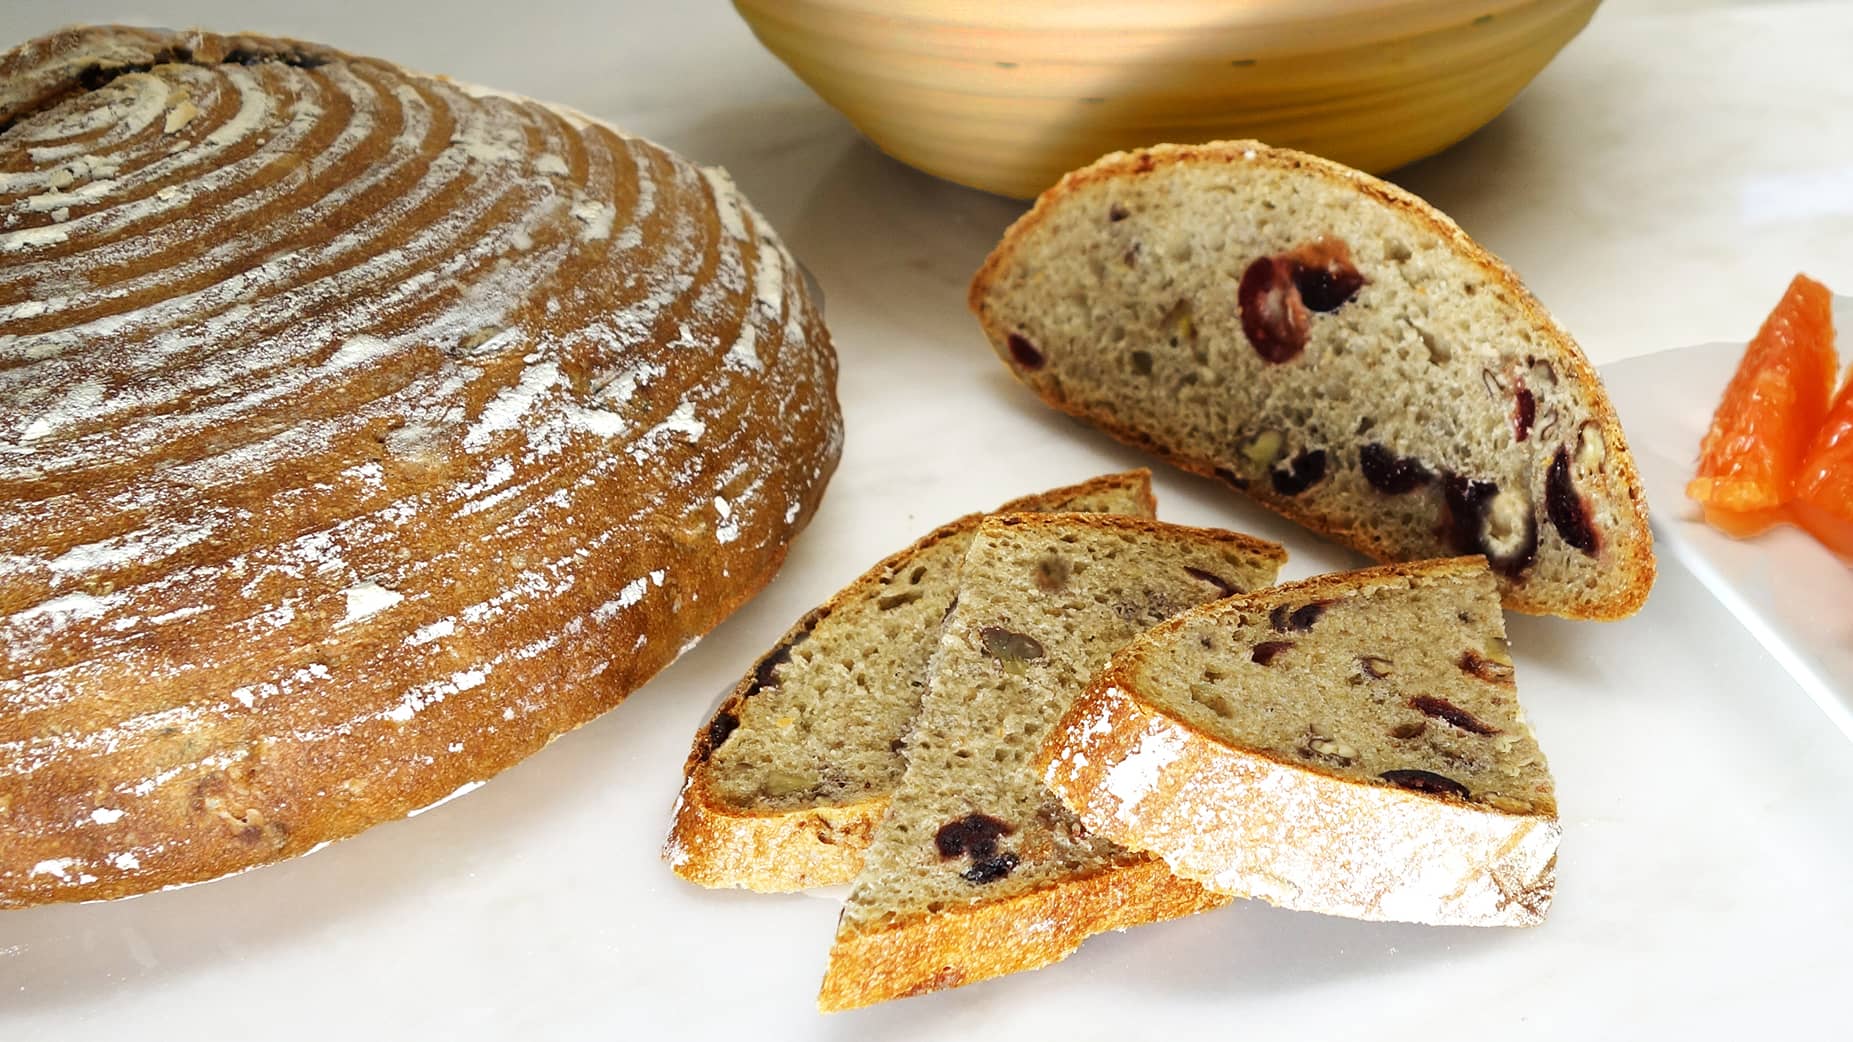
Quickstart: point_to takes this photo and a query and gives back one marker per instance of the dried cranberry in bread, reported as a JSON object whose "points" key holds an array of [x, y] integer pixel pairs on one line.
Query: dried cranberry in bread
{"points": [[1350, 744], [977, 870], [786, 782], [1337, 349], [360, 432]]}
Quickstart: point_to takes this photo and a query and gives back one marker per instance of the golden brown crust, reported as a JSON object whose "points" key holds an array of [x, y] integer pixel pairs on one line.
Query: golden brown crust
{"points": [[1239, 541], [715, 843], [1138, 482], [990, 939], [37, 73], [1246, 823], [376, 526], [1636, 558]]}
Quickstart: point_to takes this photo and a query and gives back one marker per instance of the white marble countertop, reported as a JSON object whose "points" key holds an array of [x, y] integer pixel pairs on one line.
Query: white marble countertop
{"points": [[1657, 186]]}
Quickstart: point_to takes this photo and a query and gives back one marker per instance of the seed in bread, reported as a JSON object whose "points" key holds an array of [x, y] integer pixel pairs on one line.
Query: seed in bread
{"points": [[786, 781], [1335, 348], [977, 870], [1351, 744], [360, 433]]}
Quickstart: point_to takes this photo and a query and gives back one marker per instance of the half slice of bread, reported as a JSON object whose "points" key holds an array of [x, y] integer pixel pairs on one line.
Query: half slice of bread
{"points": [[787, 780], [977, 870], [1335, 348], [1351, 744]]}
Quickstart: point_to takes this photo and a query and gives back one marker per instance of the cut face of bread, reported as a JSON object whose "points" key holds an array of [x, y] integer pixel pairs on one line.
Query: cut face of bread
{"points": [[1351, 744], [787, 780], [977, 870], [1335, 348]]}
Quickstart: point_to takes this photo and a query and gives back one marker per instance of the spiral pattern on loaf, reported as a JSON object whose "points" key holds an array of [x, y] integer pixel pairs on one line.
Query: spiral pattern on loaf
{"points": [[360, 432]]}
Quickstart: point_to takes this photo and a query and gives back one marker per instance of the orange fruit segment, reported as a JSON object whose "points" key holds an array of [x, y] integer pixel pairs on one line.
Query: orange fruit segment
{"points": [[1752, 456], [1824, 491]]}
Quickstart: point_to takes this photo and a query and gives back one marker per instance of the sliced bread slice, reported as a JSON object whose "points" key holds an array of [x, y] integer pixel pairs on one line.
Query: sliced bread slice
{"points": [[1350, 744], [1335, 348], [787, 779], [977, 870]]}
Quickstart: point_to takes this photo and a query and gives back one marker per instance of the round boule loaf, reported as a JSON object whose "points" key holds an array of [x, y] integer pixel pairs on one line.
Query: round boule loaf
{"points": [[360, 432]]}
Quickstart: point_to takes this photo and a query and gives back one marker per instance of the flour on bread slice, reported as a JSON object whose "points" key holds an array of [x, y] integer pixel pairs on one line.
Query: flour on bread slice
{"points": [[1351, 744]]}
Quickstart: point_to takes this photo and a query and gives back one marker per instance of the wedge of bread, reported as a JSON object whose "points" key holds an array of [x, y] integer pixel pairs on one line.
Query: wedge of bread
{"points": [[977, 870], [786, 781], [1350, 744], [1335, 348]]}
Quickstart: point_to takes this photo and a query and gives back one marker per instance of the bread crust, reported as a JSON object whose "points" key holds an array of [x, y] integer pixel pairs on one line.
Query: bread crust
{"points": [[717, 844], [1245, 823], [345, 634], [993, 938], [1633, 546]]}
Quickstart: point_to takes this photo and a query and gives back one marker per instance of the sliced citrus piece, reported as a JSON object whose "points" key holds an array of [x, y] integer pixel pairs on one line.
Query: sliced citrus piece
{"points": [[1824, 492], [1751, 457]]}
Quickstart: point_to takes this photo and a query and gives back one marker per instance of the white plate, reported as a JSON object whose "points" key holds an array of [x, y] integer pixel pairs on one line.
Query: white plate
{"points": [[1794, 596]]}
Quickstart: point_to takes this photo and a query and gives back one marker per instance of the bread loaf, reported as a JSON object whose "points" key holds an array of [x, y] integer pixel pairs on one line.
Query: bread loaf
{"points": [[786, 782], [977, 870], [1335, 348], [1350, 744], [360, 432]]}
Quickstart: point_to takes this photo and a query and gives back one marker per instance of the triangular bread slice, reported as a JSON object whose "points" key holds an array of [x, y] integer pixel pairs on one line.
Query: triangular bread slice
{"points": [[1335, 348], [977, 870], [1351, 744], [787, 779]]}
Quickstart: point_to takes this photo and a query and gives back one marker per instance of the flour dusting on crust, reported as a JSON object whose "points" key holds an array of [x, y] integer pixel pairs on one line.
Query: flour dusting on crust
{"points": [[358, 428]]}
